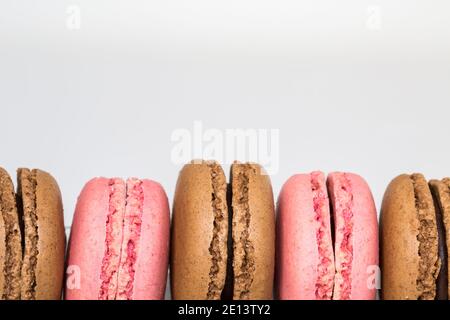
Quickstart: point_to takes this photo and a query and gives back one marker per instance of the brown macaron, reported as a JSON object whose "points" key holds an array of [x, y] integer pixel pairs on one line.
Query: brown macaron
{"points": [[39, 213], [441, 195], [411, 241], [10, 240], [223, 237]]}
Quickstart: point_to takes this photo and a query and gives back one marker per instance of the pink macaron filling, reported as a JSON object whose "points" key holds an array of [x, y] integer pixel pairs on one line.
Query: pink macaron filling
{"points": [[123, 230], [132, 233], [343, 202], [325, 268], [113, 240]]}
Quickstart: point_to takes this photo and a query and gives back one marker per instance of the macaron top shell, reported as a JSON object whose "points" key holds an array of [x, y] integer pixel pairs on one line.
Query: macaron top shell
{"points": [[409, 240], [199, 233], [305, 268], [441, 192], [52, 238], [87, 241], [253, 232], [356, 237], [10, 240], [3, 250], [152, 259], [44, 235]]}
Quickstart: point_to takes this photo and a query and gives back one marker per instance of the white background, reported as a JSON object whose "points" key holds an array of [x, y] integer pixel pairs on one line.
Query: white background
{"points": [[360, 86]]}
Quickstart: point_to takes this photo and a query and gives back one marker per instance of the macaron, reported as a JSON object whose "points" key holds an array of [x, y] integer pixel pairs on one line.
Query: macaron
{"points": [[415, 228], [119, 241], [10, 240], [327, 238], [32, 237], [441, 195], [223, 236]]}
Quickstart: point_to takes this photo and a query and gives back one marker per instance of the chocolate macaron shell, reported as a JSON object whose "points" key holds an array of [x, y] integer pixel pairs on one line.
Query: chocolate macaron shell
{"points": [[10, 240], [199, 233], [253, 232], [2, 254], [43, 261], [441, 194], [409, 244], [52, 239]]}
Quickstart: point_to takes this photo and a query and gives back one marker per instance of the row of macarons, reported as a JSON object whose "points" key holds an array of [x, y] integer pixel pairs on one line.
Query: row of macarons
{"points": [[226, 240]]}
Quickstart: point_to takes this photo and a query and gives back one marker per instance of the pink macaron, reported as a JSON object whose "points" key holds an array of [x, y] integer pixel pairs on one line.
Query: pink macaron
{"points": [[327, 238], [119, 242]]}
